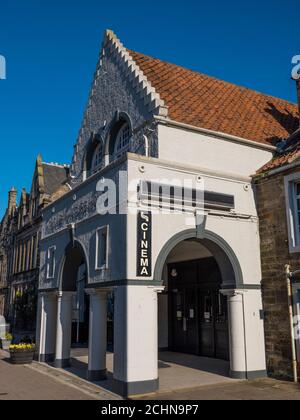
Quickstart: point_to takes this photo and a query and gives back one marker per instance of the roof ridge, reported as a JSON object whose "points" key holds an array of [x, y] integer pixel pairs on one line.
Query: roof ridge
{"points": [[214, 78]]}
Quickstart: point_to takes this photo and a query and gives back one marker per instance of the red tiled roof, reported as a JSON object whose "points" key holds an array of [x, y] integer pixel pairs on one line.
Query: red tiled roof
{"points": [[205, 102], [290, 155]]}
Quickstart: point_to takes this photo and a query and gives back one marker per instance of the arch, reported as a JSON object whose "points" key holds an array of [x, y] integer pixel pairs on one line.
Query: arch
{"points": [[93, 143], [74, 257], [222, 252], [119, 120]]}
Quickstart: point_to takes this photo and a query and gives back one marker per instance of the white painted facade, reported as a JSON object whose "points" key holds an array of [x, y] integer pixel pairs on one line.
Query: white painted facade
{"points": [[223, 165]]}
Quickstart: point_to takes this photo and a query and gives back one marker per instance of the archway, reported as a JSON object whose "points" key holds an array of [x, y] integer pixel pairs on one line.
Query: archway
{"points": [[193, 310], [72, 304], [74, 279]]}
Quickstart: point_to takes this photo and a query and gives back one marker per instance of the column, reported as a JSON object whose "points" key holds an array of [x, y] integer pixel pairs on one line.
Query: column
{"points": [[238, 355], [64, 329], [136, 340], [97, 334], [46, 328]]}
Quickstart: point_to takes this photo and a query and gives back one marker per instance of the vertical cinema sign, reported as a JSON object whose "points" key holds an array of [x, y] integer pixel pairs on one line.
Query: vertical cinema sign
{"points": [[144, 244]]}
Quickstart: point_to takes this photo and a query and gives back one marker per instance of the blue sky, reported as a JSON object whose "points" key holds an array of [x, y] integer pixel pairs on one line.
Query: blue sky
{"points": [[51, 49]]}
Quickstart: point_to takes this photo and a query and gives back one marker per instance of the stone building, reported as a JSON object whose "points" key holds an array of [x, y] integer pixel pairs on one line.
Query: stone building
{"points": [[163, 214], [6, 249], [278, 203], [20, 235]]}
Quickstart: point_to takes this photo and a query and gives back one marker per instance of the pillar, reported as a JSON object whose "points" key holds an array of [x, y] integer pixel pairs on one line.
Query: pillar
{"points": [[46, 328], [237, 344], [97, 334], [136, 340], [64, 329]]}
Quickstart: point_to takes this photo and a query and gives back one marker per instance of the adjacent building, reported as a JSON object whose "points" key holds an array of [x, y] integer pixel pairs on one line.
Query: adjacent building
{"points": [[162, 213], [6, 250], [20, 233], [278, 203]]}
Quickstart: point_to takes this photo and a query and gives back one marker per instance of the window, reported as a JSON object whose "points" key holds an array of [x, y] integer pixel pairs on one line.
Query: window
{"points": [[292, 189], [51, 262], [102, 248], [122, 141], [97, 158]]}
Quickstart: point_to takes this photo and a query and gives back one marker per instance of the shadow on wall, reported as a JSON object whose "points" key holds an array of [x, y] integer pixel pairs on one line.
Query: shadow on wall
{"points": [[287, 120]]}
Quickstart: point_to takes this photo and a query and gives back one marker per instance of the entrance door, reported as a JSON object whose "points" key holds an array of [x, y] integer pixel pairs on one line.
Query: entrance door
{"points": [[198, 311], [185, 320], [213, 324]]}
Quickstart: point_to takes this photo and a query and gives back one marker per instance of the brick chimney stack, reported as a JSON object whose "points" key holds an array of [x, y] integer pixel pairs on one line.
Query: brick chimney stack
{"points": [[12, 200]]}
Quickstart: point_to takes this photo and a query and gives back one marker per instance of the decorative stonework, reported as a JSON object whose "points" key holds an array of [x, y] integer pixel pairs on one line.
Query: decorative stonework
{"points": [[119, 85], [80, 210], [143, 87]]}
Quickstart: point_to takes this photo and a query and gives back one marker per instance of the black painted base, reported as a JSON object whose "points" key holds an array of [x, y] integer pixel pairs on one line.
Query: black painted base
{"points": [[97, 375], [62, 364], [46, 358], [127, 389], [249, 375]]}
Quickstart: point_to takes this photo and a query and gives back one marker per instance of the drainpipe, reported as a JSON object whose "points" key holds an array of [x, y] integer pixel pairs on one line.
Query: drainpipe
{"points": [[291, 318], [146, 145]]}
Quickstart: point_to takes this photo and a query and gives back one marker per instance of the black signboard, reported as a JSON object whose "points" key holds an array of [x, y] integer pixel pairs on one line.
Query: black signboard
{"points": [[144, 244]]}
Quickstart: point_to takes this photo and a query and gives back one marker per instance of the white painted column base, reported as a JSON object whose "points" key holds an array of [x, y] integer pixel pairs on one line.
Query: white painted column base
{"points": [[64, 329], [46, 334], [97, 334], [136, 340], [246, 338]]}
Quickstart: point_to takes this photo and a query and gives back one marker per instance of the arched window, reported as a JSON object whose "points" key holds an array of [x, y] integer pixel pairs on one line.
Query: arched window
{"points": [[97, 158], [122, 141]]}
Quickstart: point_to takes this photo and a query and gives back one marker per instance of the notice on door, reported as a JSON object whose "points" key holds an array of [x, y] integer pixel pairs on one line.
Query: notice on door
{"points": [[144, 244]]}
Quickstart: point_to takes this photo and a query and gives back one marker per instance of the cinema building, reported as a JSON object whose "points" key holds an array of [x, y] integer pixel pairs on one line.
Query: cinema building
{"points": [[188, 281]]}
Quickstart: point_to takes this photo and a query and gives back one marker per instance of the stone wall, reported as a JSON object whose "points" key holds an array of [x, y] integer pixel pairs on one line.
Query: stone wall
{"points": [[271, 204]]}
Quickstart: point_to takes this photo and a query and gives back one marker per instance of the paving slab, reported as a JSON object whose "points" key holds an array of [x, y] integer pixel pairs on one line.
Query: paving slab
{"points": [[263, 389], [41, 382]]}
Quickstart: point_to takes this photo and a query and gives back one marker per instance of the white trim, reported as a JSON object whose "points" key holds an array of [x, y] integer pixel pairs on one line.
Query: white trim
{"points": [[293, 231], [213, 133], [98, 232], [118, 153], [48, 262]]}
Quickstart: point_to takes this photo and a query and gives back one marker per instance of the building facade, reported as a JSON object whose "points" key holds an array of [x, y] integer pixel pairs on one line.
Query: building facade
{"points": [[277, 185], [21, 231], [162, 213], [6, 250]]}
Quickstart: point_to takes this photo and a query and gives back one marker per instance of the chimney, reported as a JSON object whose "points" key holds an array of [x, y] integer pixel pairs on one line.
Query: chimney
{"points": [[12, 200]]}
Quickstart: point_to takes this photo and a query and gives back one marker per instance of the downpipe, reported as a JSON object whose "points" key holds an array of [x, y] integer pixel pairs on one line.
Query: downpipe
{"points": [[291, 320]]}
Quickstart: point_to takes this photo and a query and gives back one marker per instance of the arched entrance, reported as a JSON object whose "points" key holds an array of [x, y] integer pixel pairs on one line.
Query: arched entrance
{"points": [[194, 313], [74, 279], [72, 304]]}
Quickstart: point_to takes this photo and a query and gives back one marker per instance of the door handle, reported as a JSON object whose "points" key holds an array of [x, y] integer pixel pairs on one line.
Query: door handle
{"points": [[184, 324]]}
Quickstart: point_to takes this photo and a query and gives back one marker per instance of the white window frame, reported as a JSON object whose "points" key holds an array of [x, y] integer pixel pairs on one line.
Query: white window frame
{"points": [[95, 168], [52, 248], [292, 212], [99, 233], [120, 152]]}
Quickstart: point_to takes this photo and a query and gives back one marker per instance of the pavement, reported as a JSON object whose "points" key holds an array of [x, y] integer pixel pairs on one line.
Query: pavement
{"points": [[263, 389], [42, 382]]}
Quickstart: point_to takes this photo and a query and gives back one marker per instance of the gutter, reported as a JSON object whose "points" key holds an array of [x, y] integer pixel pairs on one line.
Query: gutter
{"points": [[172, 123], [279, 170]]}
